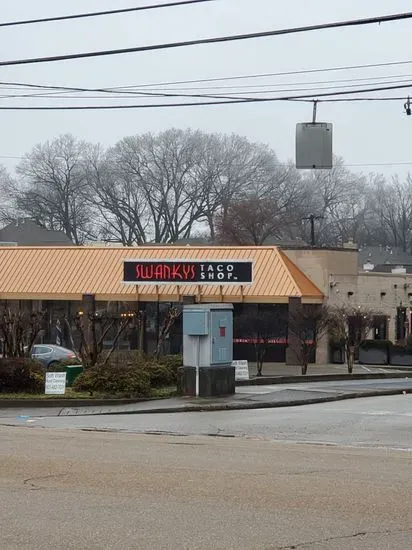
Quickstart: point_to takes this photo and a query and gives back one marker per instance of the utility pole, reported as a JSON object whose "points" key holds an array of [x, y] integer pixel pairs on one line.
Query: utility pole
{"points": [[312, 219]]}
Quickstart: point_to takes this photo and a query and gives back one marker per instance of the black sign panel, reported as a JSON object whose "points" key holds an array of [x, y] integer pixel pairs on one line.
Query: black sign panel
{"points": [[185, 272]]}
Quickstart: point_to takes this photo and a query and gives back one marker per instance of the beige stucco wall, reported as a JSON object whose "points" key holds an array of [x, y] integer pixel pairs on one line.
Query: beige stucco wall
{"points": [[336, 274], [378, 292], [320, 264]]}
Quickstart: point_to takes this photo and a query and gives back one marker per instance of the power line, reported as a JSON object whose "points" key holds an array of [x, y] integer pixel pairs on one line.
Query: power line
{"points": [[215, 40], [262, 75], [234, 95], [265, 75], [303, 97], [380, 164], [360, 99], [109, 91], [99, 13], [269, 84], [172, 91], [131, 94]]}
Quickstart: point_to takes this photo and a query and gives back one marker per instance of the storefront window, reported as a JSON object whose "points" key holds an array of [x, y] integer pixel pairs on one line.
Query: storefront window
{"points": [[380, 327]]}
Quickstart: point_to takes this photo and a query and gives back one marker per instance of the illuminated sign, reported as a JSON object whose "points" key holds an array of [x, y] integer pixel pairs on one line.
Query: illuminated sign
{"points": [[185, 272]]}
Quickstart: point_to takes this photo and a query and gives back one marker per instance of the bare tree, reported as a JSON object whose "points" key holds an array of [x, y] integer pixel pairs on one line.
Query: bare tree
{"points": [[123, 214], [159, 174], [262, 328], [230, 166], [170, 186], [348, 327], [93, 329], [393, 208], [308, 323], [18, 332], [169, 321], [249, 221], [8, 196], [53, 185], [268, 207], [339, 197]]}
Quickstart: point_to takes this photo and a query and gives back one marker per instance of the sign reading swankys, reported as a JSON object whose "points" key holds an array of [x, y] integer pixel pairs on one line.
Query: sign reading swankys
{"points": [[186, 272]]}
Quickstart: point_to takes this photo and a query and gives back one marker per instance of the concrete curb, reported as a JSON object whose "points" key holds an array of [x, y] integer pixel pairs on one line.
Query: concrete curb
{"points": [[69, 403], [396, 367], [269, 380], [262, 381], [252, 406]]}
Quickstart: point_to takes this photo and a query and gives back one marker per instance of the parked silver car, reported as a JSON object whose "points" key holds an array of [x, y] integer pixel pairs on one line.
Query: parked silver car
{"points": [[49, 354]]}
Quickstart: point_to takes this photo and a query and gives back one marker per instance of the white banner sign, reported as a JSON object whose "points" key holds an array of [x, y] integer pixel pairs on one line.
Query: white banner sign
{"points": [[55, 383], [241, 370]]}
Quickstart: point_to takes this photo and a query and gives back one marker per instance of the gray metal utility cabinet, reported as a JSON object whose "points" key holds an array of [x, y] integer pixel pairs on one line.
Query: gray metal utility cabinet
{"points": [[208, 350]]}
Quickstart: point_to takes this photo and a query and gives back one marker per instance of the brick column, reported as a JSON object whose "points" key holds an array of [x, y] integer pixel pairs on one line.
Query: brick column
{"points": [[293, 342], [322, 350]]}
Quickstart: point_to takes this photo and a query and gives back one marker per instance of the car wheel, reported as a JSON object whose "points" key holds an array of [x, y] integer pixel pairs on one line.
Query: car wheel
{"points": [[52, 364]]}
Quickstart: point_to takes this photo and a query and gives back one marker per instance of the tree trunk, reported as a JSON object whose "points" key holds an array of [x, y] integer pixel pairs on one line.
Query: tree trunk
{"points": [[304, 368], [351, 355], [260, 356], [259, 363]]}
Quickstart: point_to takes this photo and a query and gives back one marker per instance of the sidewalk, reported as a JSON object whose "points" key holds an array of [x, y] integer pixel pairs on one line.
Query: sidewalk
{"points": [[282, 387], [281, 369], [246, 397]]}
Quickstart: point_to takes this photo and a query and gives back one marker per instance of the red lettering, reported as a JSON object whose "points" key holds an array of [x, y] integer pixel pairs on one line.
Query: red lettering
{"points": [[166, 271], [159, 272], [188, 272], [176, 272], [147, 271]]}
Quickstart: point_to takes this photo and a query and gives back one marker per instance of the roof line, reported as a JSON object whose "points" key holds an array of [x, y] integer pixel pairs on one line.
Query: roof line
{"points": [[142, 247], [282, 259], [286, 260]]}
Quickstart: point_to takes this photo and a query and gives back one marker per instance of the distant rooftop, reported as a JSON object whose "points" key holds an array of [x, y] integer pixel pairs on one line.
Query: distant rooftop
{"points": [[395, 269], [26, 232], [373, 257]]}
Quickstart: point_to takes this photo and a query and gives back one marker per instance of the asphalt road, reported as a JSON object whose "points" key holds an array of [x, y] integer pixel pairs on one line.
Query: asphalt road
{"points": [[376, 422], [63, 490]]}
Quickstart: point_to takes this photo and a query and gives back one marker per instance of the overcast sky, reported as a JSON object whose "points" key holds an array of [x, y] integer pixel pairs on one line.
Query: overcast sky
{"points": [[363, 133]]}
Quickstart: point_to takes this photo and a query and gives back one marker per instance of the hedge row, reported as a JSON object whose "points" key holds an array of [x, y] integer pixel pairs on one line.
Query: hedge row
{"points": [[131, 374], [387, 345], [384, 352], [21, 375], [376, 344]]}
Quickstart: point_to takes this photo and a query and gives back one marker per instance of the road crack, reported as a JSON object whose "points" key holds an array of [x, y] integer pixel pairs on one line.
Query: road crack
{"points": [[31, 482], [342, 537]]}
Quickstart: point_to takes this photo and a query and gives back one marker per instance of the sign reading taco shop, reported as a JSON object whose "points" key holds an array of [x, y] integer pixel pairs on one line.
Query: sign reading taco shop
{"points": [[187, 272]]}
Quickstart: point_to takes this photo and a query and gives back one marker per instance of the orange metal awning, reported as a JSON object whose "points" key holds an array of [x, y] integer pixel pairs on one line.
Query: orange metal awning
{"points": [[66, 273]]}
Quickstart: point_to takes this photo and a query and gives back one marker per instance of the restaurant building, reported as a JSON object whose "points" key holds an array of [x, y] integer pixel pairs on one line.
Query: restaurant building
{"points": [[60, 279]]}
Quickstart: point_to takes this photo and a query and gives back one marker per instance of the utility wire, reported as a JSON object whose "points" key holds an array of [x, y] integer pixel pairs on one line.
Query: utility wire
{"points": [[265, 75], [262, 75], [267, 85], [20, 86], [304, 98], [99, 13], [109, 91], [215, 40], [131, 94]]}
